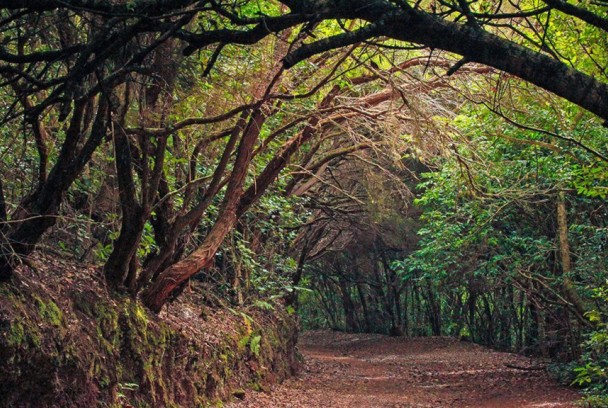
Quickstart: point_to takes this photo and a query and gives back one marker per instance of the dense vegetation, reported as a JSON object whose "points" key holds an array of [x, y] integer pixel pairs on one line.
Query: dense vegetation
{"points": [[427, 168]]}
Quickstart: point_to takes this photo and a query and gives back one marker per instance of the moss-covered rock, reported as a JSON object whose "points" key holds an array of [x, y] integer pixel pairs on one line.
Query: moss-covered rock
{"points": [[80, 346]]}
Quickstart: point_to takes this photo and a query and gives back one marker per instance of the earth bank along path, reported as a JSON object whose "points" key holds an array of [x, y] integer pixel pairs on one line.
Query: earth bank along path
{"points": [[368, 370]]}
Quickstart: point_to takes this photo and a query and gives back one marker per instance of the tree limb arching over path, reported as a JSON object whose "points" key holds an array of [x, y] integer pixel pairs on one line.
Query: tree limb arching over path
{"points": [[395, 19], [399, 20], [454, 27]]}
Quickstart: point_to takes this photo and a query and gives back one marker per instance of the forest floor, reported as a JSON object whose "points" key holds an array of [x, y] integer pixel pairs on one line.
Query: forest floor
{"points": [[367, 370]]}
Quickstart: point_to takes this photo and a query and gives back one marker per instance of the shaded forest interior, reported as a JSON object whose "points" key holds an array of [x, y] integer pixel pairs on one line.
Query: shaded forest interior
{"points": [[383, 166]]}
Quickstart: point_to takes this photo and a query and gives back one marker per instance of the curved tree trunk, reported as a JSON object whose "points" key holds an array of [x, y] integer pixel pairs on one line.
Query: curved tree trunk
{"points": [[170, 279]]}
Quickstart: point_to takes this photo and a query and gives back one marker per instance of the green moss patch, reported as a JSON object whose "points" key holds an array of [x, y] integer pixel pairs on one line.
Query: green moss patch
{"points": [[113, 352]]}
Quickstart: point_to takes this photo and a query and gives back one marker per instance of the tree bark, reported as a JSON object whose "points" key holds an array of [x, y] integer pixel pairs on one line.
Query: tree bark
{"points": [[3, 212], [349, 307], [160, 291], [412, 25], [39, 212], [133, 217], [167, 249], [564, 251]]}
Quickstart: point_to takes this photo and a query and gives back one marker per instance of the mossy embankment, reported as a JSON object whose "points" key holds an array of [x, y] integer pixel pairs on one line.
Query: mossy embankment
{"points": [[66, 340]]}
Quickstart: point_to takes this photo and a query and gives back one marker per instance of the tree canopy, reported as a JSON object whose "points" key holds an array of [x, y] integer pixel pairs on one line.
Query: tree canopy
{"points": [[128, 77], [422, 168]]}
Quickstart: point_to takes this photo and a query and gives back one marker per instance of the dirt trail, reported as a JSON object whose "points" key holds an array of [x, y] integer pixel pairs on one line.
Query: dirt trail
{"points": [[363, 370]]}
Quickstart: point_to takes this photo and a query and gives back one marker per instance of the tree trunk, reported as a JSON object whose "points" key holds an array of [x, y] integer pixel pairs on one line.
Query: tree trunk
{"points": [[170, 279], [471, 307], [133, 217], [167, 251], [161, 290], [434, 310], [292, 298], [366, 315], [349, 307], [564, 251], [39, 212]]}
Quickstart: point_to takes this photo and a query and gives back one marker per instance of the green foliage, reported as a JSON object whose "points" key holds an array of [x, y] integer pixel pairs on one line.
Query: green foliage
{"points": [[591, 372], [487, 263], [592, 180], [263, 305], [489, 210], [254, 345], [123, 390]]}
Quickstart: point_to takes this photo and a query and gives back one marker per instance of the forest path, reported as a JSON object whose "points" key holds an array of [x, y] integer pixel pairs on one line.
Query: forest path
{"points": [[367, 370]]}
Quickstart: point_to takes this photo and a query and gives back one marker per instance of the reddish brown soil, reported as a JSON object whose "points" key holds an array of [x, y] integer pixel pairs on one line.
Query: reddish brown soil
{"points": [[365, 370]]}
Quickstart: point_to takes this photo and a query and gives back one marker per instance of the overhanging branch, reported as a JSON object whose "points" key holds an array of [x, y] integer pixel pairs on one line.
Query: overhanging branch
{"points": [[331, 43]]}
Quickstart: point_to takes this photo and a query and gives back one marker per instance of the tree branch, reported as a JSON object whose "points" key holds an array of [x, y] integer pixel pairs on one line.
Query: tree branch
{"points": [[579, 12]]}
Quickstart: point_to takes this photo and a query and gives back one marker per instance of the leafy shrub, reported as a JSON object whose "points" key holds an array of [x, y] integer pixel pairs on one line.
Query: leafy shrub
{"points": [[592, 369]]}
